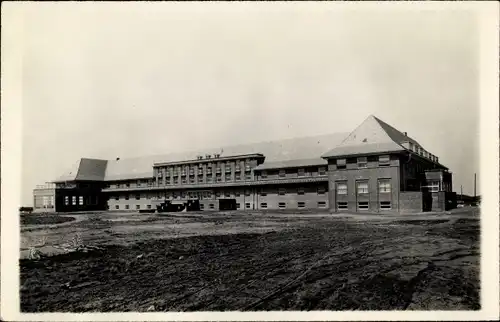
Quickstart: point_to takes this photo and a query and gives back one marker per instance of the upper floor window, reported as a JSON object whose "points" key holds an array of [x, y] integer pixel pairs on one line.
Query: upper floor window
{"points": [[281, 191], [247, 167], [228, 168], [300, 191], [362, 162], [282, 173], [263, 174], [384, 160], [433, 186], [301, 172], [322, 171], [362, 187], [341, 163], [321, 190]]}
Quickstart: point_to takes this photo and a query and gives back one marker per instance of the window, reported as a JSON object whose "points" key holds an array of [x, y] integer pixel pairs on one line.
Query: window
{"points": [[301, 204], [341, 188], [184, 181], [281, 191], [117, 198], [228, 177], [384, 160], [362, 162], [200, 179], [126, 197], [237, 205], [139, 183], [248, 176], [263, 174], [183, 194], [341, 163], [149, 206], [384, 186], [263, 205], [237, 193], [217, 193], [247, 205], [321, 190], [237, 169], [282, 173], [218, 170], [73, 200], [227, 194], [126, 206], [137, 206], [263, 192], [66, 200], [362, 204], [385, 205], [219, 178], [137, 197], [301, 173], [202, 206], [247, 192], [237, 177], [321, 204], [362, 187], [247, 167], [342, 205], [322, 171], [211, 206], [281, 205], [228, 168], [433, 186], [80, 200], [300, 191], [117, 207], [127, 185]]}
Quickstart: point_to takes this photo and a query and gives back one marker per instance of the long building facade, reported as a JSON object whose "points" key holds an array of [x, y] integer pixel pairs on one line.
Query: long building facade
{"points": [[375, 168]]}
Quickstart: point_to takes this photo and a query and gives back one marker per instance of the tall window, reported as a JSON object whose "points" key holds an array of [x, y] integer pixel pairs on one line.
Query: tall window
{"points": [[384, 160], [80, 200], [73, 200], [341, 188], [384, 186], [362, 187], [66, 200]]}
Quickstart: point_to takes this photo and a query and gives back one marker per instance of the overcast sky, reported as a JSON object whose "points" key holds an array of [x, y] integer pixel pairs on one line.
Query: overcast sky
{"points": [[126, 79]]}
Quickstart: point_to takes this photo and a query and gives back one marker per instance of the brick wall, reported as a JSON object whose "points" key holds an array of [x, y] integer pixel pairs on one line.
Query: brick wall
{"points": [[410, 201]]}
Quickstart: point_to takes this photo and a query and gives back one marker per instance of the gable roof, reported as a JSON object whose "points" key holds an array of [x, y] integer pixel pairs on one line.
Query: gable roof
{"points": [[371, 136]]}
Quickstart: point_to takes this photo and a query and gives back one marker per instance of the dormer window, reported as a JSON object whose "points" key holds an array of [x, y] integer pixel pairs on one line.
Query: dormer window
{"points": [[362, 162], [384, 160], [341, 163]]}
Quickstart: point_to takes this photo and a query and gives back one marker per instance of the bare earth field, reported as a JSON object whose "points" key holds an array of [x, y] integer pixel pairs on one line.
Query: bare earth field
{"points": [[258, 261]]}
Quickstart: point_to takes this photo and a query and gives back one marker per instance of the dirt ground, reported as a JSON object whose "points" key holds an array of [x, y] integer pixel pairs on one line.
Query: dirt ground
{"points": [[254, 261]]}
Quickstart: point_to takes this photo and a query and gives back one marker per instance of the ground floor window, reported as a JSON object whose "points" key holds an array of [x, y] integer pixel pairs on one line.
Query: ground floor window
{"points": [[73, 200], [301, 204], [282, 205], [281, 191], [384, 186], [247, 205], [149, 206], [117, 207], [263, 205], [80, 200], [237, 205], [342, 205], [211, 206], [341, 188], [137, 206], [117, 198], [363, 205], [66, 200], [385, 205], [127, 207], [202, 206], [321, 204]]}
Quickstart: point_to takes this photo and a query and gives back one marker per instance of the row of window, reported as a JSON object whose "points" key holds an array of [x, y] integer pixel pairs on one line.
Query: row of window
{"points": [[300, 172], [362, 162], [300, 191], [210, 179], [73, 201], [384, 186], [183, 171], [300, 204], [137, 207], [342, 205]]}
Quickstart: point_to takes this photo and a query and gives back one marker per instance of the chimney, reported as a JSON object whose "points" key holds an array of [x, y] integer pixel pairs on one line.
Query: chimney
{"points": [[406, 134]]}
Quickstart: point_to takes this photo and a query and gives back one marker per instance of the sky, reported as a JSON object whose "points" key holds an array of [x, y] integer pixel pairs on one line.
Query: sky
{"points": [[107, 80]]}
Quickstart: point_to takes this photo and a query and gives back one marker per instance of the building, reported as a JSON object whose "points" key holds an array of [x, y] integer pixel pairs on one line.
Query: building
{"points": [[375, 168]]}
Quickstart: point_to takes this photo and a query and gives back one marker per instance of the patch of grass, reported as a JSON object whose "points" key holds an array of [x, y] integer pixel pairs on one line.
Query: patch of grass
{"points": [[39, 219]]}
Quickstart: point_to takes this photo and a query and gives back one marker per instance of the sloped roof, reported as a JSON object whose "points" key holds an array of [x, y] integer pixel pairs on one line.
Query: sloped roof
{"points": [[371, 136], [85, 170], [291, 164], [274, 151]]}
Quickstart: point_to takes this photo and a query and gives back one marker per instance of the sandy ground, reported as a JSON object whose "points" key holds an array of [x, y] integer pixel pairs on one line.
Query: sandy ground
{"points": [[255, 261]]}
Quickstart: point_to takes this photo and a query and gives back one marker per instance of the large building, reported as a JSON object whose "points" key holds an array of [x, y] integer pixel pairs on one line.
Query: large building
{"points": [[375, 168]]}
